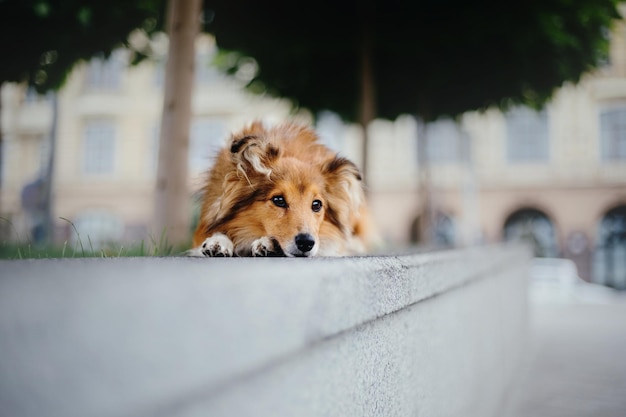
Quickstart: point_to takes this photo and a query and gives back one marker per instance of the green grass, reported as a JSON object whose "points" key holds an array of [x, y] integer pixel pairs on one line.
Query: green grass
{"points": [[11, 250], [24, 249]]}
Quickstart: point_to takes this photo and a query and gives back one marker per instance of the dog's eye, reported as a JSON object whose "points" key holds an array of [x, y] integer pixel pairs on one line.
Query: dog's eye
{"points": [[316, 205], [279, 201]]}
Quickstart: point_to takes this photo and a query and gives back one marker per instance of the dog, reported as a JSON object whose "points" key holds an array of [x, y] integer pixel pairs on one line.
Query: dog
{"points": [[278, 191]]}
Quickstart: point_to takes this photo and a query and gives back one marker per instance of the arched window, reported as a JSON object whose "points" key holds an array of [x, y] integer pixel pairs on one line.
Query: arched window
{"points": [[610, 256], [533, 226], [442, 231]]}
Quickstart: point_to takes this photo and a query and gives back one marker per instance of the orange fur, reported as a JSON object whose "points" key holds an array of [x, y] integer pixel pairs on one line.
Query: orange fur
{"points": [[322, 210]]}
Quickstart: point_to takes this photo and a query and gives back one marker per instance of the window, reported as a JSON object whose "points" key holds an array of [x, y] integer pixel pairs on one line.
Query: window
{"points": [[613, 134], [99, 147], [527, 135], [445, 142], [106, 75], [330, 129], [205, 72], [153, 141], [159, 73], [32, 96], [206, 137]]}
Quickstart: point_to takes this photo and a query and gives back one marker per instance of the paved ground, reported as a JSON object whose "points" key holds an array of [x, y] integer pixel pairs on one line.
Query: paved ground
{"points": [[577, 363]]}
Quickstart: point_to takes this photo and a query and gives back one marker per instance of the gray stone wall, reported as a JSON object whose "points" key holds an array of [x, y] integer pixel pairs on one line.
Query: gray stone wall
{"points": [[432, 334]]}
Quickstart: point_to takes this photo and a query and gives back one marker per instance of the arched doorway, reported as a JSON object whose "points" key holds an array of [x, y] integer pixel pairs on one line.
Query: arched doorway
{"points": [[442, 231], [533, 226], [610, 255]]}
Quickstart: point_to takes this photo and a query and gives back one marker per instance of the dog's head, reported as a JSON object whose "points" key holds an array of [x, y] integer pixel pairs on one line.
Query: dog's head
{"points": [[291, 189], [293, 208]]}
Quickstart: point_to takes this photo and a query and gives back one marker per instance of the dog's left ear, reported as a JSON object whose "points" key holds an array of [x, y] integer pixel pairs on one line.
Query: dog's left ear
{"points": [[252, 151]]}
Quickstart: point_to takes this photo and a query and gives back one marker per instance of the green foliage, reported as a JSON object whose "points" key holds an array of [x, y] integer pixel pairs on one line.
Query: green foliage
{"points": [[42, 40], [431, 57]]}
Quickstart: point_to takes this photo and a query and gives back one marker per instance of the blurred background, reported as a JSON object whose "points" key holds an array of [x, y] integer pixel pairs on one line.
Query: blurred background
{"points": [[80, 158]]}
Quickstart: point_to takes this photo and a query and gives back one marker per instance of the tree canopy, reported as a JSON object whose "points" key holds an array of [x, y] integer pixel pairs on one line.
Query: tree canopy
{"points": [[429, 57], [42, 40]]}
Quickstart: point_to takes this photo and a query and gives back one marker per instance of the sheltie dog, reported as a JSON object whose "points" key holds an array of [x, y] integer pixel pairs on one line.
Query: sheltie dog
{"points": [[279, 192]]}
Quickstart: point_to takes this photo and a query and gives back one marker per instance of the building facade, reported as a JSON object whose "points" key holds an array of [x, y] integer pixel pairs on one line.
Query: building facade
{"points": [[556, 177]]}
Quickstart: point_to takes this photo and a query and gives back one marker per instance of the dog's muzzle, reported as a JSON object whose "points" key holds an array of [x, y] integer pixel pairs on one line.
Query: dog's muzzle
{"points": [[305, 243]]}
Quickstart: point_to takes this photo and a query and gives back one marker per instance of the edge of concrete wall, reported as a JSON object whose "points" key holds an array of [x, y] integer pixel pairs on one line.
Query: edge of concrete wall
{"points": [[165, 321]]}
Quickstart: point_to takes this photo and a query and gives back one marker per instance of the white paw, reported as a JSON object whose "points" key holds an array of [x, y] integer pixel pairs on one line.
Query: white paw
{"points": [[263, 246], [218, 245]]}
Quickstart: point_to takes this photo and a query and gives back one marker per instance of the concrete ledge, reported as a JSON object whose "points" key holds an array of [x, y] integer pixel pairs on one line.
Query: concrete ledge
{"points": [[428, 334]]}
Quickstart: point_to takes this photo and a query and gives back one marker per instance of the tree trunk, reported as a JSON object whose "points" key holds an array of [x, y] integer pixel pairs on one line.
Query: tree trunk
{"points": [[1, 154], [48, 223], [172, 200], [367, 110], [426, 218]]}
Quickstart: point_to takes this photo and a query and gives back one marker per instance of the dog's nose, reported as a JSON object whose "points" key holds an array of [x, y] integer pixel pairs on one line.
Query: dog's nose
{"points": [[305, 242]]}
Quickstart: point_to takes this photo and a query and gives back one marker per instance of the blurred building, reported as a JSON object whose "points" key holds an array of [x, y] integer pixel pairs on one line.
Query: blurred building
{"points": [[556, 178], [106, 146]]}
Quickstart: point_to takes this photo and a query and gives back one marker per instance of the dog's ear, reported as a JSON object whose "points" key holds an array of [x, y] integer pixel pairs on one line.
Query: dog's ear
{"points": [[342, 167], [345, 189], [252, 152]]}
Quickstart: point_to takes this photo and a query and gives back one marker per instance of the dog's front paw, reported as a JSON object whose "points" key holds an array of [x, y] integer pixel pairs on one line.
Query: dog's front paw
{"points": [[262, 246], [218, 245]]}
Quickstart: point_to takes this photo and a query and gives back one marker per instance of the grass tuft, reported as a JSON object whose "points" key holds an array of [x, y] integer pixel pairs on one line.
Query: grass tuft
{"points": [[20, 249]]}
